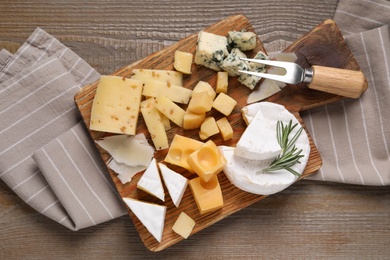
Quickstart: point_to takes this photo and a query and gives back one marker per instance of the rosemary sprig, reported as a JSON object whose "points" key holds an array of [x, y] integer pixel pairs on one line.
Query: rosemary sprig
{"points": [[290, 154]]}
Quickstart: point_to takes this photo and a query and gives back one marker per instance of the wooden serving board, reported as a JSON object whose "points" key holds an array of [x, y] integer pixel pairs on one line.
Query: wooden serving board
{"points": [[323, 46]]}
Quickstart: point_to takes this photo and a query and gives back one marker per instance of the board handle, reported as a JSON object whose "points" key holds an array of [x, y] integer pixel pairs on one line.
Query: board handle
{"points": [[342, 82]]}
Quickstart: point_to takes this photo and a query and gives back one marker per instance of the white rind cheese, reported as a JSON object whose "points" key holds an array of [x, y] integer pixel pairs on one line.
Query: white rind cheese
{"points": [[247, 174], [175, 183], [152, 216], [211, 49], [150, 181]]}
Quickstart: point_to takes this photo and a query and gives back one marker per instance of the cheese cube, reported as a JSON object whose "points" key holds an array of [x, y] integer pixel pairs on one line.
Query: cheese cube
{"points": [[179, 150], [116, 105], [155, 88], [250, 80], [193, 120], [225, 128], [207, 161], [245, 41], [208, 128], [153, 122], [222, 82], [167, 76], [208, 196], [211, 49], [170, 110], [232, 63], [204, 86], [224, 104], [183, 62], [184, 225], [200, 102]]}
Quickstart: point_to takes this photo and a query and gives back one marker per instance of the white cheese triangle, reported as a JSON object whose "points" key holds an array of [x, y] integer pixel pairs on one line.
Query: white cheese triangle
{"points": [[151, 181], [131, 150], [152, 216], [175, 183]]}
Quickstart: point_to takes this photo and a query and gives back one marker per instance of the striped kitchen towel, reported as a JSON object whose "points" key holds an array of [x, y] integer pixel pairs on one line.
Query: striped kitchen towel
{"points": [[45, 155], [353, 136]]}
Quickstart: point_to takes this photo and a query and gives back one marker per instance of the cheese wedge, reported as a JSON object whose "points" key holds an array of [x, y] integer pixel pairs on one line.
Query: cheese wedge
{"points": [[175, 183], [152, 216], [150, 181], [116, 104]]}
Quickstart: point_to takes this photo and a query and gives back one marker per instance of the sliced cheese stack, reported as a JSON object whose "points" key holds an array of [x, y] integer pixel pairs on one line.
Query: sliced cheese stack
{"points": [[152, 216], [255, 151]]}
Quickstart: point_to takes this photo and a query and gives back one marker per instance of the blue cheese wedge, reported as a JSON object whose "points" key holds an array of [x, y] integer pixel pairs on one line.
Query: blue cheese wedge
{"points": [[151, 215], [175, 183], [150, 181], [249, 80], [211, 49], [232, 63], [246, 171], [243, 40]]}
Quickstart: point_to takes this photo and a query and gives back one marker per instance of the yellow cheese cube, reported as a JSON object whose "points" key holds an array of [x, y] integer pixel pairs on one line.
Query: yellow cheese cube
{"points": [[222, 82], [183, 61], [208, 128], [170, 110], [154, 124], [200, 102], [208, 196], [155, 88], [224, 104], [179, 150], [193, 120], [116, 105], [207, 161], [204, 86], [184, 225], [167, 76], [225, 128]]}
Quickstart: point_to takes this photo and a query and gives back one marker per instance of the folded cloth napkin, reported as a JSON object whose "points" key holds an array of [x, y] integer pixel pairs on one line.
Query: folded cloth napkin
{"points": [[46, 156], [353, 136]]}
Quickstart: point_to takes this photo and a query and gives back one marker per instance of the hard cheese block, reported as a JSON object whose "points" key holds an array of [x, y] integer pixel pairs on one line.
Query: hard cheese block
{"points": [[116, 105]]}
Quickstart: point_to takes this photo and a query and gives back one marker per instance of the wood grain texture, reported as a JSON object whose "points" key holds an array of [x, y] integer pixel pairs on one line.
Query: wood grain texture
{"points": [[313, 220]]}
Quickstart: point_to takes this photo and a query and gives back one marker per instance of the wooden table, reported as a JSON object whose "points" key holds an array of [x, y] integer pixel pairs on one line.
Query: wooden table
{"points": [[308, 220]]}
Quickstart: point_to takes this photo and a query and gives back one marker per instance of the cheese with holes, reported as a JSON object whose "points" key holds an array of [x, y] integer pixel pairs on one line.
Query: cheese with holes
{"points": [[183, 61], [207, 161], [211, 49], [175, 93], [224, 104], [150, 181], [208, 128], [170, 110], [151, 215], [154, 124], [225, 128], [175, 183], [208, 195], [115, 107], [179, 150], [167, 76], [184, 225]]}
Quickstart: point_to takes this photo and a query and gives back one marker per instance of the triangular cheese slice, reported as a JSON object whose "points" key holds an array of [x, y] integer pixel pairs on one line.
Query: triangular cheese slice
{"points": [[152, 216], [175, 182], [151, 181]]}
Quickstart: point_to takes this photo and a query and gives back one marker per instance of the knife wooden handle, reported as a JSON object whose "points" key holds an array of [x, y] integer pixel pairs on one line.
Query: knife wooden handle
{"points": [[342, 82]]}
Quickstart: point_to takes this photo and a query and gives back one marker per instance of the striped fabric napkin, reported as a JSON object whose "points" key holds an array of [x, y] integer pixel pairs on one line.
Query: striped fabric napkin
{"points": [[46, 156], [353, 136]]}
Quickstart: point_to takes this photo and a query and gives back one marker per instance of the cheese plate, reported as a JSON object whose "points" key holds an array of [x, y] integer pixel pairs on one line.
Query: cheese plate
{"points": [[324, 45]]}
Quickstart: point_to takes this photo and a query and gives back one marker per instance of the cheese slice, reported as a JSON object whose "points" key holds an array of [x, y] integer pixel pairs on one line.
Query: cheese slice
{"points": [[131, 150], [170, 110], [150, 181], [152, 216], [175, 183], [175, 93], [124, 171], [167, 76], [115, 107]]}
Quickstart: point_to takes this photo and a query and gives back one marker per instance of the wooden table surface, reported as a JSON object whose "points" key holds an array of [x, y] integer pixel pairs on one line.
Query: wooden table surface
{"points": [[308, 220]]}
